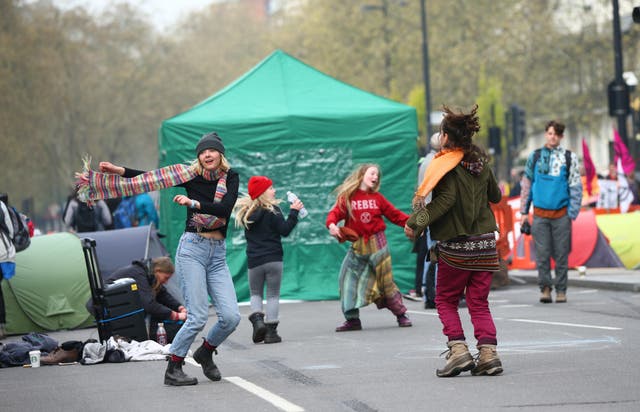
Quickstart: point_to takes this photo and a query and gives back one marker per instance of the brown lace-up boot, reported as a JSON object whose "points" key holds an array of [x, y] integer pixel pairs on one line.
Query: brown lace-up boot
{"points": [[545, 296], [561, 297], [488, 361], [458, 359]]}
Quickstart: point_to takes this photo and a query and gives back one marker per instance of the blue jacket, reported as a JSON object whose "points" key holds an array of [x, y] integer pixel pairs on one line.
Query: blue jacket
{"points": [[549, 185]]}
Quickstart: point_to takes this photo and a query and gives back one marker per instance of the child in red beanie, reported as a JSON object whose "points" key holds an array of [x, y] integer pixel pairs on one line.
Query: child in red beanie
{"points": [[264, 225]]}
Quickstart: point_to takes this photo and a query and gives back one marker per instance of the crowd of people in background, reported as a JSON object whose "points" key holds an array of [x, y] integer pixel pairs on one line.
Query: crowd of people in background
{"points": [[129, 211], [593, 191]]}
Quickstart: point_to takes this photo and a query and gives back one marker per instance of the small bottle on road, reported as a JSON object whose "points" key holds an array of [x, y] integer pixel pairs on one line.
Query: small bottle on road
{"points": [[161, 334]]}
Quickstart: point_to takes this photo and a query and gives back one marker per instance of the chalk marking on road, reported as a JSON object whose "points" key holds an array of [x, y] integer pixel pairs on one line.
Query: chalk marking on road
{"points": [[321, 367], [513, 306], [575, 325], [270, 397]]}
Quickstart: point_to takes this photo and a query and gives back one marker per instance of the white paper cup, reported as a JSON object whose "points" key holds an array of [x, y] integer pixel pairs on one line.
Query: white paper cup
{"points": [[34, 357]]}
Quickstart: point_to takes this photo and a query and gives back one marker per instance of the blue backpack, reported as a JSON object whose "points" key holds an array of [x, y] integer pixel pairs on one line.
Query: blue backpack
{"points": [[125, 214]]}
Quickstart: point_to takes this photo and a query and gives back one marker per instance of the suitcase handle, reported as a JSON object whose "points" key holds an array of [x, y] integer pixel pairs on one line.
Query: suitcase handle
{"points": [[93, 272]]}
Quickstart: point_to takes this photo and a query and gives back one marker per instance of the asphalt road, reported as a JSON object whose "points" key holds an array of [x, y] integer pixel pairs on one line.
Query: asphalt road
{"points": [[579, 356]]}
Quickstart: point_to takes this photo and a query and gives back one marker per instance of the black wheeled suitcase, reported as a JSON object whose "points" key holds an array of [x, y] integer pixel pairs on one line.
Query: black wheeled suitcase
{"points": [[117, 306]]}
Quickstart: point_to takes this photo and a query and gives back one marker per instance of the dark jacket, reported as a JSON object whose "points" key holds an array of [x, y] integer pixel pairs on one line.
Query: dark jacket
{"points": [[460, 205], [263, 236], [157, 305]]}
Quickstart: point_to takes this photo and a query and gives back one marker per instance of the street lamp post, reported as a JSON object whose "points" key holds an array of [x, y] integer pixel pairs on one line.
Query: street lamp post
{"points": [[425, 72], [619, 82]]}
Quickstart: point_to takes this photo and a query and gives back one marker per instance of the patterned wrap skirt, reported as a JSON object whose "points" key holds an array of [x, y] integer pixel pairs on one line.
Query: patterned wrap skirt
{"points": [[365, 275], [477, 252]]}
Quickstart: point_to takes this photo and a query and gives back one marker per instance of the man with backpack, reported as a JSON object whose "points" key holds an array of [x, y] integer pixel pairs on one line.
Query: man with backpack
{"points": [[84, 218], [552, 183]]}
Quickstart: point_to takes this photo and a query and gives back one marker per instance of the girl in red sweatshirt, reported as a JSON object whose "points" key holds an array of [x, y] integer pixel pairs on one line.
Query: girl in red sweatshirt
{"points": [[365, 275]]}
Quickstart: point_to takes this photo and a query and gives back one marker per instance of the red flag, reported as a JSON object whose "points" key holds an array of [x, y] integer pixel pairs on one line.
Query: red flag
{"points": [[589, 167], [621, 152]]}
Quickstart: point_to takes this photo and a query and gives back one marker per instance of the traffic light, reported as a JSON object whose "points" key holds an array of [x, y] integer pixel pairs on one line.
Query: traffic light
{"points": [[618, 96], [494, 140], [518, 125]]}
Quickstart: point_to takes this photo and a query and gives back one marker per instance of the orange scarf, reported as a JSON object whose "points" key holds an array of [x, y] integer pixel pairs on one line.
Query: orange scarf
{"points": [[443, 162]]}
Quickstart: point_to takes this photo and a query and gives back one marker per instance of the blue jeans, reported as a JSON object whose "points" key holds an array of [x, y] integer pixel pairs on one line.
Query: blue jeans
{"points": [[202, 268]]}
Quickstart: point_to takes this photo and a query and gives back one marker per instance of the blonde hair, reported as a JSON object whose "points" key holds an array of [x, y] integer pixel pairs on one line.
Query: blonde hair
{"points": [[245, 206], [197, 167], [163, 264], [351, 184]]}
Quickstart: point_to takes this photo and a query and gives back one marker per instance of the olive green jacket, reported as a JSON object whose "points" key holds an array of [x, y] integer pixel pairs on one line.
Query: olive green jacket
{"points": [[460, 205]]}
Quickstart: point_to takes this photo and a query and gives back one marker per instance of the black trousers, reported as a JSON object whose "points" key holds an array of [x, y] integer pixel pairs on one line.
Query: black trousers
{"points": [[420, 247]]}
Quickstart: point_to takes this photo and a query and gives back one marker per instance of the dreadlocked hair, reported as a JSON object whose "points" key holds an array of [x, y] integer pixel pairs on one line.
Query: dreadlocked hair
{"points": [[245, 206], [351, 184], [460, 128]]}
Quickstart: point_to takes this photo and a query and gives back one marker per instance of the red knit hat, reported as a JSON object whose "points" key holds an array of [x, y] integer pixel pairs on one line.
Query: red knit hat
{"points": [[258, 185]]}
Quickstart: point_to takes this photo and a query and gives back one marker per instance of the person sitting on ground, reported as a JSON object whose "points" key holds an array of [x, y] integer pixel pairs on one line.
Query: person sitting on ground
{"points": [[156, 300]]}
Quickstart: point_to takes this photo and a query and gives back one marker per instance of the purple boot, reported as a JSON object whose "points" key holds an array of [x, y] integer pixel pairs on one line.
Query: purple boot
{"points": [[350, 324]]}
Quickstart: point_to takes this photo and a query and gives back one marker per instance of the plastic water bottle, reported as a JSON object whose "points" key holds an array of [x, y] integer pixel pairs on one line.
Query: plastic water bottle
{"points": [[161, 334], [291, 197]]}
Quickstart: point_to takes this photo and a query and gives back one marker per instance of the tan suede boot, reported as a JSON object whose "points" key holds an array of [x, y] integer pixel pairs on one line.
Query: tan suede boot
{"points": [[561, 297], [488, 361], [545, 296], [458, 359]]}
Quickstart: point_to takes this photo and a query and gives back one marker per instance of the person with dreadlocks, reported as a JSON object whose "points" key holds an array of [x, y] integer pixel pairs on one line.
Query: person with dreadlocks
{"points": [[460, 219], [211, 192], [264, 225], [365, 275]]}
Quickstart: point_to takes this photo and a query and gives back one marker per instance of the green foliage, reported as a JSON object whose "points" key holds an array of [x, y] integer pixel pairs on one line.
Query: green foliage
{"points": [[73, 83]]}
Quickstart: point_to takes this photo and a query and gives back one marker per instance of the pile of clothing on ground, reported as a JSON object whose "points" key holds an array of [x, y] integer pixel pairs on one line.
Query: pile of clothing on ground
{"points": [[89, 352]]}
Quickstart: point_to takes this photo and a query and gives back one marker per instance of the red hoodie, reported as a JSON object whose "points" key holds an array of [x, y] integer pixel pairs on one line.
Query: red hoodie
{"points": [[368, 209]]}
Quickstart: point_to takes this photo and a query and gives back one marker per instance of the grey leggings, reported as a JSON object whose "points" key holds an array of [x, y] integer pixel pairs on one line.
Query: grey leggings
{"points": [[271, 273]]}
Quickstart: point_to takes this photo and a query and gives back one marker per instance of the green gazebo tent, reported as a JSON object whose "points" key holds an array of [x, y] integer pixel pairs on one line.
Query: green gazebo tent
{"points": [[306, 131]]}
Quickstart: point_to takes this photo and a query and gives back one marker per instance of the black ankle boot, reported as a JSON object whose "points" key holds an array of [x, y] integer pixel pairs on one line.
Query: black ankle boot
{"points": [[175, 377], [259, 328], [204, 357], [272, 333]]}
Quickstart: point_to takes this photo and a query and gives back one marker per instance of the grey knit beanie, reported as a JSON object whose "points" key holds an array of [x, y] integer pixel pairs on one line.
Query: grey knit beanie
{"points": [[210, 141]]}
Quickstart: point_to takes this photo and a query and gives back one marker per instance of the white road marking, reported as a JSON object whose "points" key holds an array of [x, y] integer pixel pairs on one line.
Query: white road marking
{"points": [[431, 313], [272, 398], [576, 325]]}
